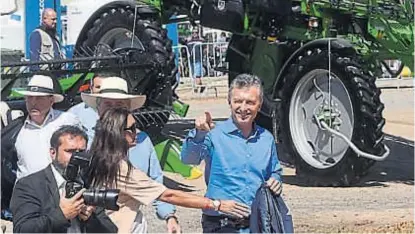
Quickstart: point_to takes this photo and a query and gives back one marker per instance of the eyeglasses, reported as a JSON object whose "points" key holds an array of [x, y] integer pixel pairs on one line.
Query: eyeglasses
{"points": [[132, 128]]}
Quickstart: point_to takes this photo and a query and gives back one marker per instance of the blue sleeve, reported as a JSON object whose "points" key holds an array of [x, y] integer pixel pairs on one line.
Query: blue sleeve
{"points": [[196, 147], [163, 209], [153, 168], [276, 169], [35, 42]]}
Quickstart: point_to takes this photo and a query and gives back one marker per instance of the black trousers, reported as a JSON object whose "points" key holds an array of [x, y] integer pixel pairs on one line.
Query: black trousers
{"points": [[223, 224]]}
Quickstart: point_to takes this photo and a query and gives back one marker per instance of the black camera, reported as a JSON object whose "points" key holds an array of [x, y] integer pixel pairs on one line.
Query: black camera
{"points": [[78, 164]]}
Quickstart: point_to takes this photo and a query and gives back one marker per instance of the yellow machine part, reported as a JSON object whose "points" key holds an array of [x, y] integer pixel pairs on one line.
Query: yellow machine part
{"points": [[406, 72]]}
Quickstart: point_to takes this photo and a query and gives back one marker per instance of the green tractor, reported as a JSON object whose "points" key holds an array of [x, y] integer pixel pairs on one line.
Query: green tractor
{"points": [[318, 60]]}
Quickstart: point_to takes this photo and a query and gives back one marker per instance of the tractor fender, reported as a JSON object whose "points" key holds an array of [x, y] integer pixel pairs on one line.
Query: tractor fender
{"points": [[336, 44], [141, 9]]}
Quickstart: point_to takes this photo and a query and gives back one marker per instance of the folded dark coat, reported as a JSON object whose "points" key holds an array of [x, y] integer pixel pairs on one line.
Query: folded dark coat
{"points": [[269, 214]]}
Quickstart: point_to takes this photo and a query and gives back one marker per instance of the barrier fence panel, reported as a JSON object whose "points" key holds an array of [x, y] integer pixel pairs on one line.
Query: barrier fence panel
{"points": [[202, 62], [206, 60]]}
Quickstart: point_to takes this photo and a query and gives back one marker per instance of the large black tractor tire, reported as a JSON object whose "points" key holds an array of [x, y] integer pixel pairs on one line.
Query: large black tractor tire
{"points": [[366, 109], [114, 28]]}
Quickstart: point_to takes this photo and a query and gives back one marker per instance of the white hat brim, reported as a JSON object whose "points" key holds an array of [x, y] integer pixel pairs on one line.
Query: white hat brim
{"points": [[56, 97], [136, 101]]}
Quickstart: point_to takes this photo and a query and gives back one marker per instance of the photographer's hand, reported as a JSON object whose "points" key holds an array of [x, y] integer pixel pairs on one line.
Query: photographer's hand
{"points": [[86, 212], [71, 207]]}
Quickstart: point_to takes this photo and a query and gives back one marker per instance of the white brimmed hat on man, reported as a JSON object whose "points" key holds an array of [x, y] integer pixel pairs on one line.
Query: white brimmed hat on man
{"points": [[40, 85], [114, 88]]}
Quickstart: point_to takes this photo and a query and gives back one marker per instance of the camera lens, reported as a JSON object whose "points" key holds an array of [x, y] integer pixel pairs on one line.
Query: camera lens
{"points": [[102, 198]]}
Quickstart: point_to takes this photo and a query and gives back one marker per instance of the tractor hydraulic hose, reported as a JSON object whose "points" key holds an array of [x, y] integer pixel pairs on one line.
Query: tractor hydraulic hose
{"points": [[323, 125]]}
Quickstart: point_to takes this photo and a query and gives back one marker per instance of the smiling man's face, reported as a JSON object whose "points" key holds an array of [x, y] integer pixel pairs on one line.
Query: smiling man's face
{"points": [[245, 104]]}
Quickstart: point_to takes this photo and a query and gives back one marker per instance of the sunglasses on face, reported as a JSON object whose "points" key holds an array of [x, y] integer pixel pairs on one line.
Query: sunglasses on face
{"points": [[132, 128]]}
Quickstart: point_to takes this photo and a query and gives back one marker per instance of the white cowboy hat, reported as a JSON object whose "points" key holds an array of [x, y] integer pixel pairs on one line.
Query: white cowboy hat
{"points": [[40, 85], [114, 88]]}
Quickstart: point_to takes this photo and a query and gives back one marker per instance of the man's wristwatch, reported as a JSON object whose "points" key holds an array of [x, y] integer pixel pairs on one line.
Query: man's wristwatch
{"points": [[216, 204]]}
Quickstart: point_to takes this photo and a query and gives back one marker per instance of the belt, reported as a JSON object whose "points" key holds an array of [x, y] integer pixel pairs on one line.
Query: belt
{"points": [[238, 223]]}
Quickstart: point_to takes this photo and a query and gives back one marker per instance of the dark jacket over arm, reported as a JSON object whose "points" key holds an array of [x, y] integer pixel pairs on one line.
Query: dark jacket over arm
{"points": [[269, 214]]}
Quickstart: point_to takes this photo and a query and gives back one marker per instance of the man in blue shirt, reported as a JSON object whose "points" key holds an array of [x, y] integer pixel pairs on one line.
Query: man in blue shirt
{"points": [[143, 156], [239, 154]]}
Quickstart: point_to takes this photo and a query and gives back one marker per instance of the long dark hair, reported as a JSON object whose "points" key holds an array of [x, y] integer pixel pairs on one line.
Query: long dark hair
{"points": [[109, 148]]}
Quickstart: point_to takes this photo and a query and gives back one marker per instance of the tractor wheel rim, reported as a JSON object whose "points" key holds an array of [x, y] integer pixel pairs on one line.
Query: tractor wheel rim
{"points": [[310, 98]]}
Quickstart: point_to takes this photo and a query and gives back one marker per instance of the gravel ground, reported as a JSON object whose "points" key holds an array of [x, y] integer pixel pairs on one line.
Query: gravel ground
{"points": [[382, 202]]}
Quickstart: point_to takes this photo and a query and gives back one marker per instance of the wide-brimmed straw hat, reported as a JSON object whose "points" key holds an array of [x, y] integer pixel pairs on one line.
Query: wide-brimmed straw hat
{"points": [[40, 85], [114, 88]]}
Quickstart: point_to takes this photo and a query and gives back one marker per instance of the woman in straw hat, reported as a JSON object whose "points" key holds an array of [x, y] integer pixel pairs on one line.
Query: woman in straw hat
{"points": [[108, 92]]}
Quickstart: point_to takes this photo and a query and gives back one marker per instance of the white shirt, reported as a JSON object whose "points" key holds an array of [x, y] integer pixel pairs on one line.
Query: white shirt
{"points": [[60, 182], [33, 142]]}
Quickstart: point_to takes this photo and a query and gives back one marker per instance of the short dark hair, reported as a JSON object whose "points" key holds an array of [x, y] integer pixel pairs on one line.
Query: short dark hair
{"points": [[72, 130], [246, 81]]}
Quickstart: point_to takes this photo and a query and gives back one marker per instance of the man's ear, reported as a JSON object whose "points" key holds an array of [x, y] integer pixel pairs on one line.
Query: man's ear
{"points": [[52, 153], [52, 100]]}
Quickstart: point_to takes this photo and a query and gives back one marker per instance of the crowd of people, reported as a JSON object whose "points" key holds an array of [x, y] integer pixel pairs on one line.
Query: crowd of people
{"points": [[240, 158]]}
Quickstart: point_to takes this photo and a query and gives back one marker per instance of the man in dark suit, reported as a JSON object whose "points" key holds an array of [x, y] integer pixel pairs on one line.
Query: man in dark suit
{"points": [[38, 202]]}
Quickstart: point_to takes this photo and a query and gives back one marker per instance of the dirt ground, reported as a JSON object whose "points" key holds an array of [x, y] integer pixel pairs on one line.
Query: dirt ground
{"points": [[382, 202]]}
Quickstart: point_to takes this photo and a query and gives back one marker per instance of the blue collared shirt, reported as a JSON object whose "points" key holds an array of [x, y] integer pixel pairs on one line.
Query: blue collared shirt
{"points": [[235, 166], [143, 156], [88, 117]]}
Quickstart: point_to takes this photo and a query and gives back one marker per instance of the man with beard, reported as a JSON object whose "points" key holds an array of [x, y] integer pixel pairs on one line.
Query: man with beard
{"points": [[44, 42], [239, 155], [32, 142], [39, 204]]}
